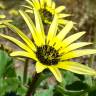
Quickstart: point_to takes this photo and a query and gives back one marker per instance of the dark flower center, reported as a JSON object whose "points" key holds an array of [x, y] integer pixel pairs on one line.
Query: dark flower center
{"points": [[46, 15], [47, 55]]}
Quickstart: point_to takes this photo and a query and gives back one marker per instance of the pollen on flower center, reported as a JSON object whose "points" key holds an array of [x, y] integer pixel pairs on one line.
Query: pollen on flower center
{"points": [[46, 15], [47, 55]]}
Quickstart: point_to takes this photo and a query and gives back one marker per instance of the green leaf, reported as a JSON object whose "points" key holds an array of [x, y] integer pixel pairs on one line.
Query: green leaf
{"points": [[4, 61], [45, 92], [43, 76], [21, 90], [62, 90], [10, 72], [6, 65], [11, 94], [8, 85], [93, 93], [72, 85], [92, 89], [69, 78]]}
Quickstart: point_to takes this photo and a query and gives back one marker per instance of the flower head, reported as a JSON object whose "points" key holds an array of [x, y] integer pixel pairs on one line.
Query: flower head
{"points": [[51, 51], [48, 10]]}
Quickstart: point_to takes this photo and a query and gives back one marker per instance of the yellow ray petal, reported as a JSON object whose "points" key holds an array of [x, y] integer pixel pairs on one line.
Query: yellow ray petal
{"points": [[27, 7], [24, 54], [69, 40], [56, 73], [49, 3], [40, 67], [30, 3], [29, 11], [54, 42], [22, 35], [42, 3], [39, 27], [17, 42], [2, 21], [52, 30], [31, 27], [53, 5], [62, 21], [78, 53], [61, 35], [36, 4], [74, 46], [76, 68], [60, 9], [63, 15], [2, 26], [72, 38]]}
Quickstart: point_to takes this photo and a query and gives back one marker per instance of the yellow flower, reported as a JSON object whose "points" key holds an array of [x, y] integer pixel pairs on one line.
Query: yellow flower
{"points": [[52, 51], [47, 9]]}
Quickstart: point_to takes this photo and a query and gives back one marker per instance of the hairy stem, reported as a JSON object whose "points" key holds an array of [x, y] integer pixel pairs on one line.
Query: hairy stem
{"points": [[32, 85], [25, 71]]}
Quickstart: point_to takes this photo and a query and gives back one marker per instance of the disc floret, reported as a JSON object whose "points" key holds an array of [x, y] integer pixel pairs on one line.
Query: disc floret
{"points": [[47, 55], [46, 15]]}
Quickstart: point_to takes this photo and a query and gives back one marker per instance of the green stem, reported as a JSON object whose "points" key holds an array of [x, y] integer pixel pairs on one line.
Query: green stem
{"points": [[25, 71], [32, 85]]}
